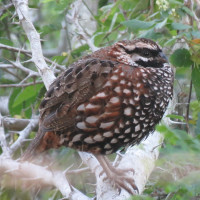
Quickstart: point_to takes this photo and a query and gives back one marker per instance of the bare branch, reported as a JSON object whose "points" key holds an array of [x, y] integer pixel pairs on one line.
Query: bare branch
{"points": [[73, 18], [21, 7], [30, 72], [36, 174], [29, 54], [11, 72], [194, 14], [14, 49], [20, 85], [3, 143], [15, 124], [188, 105], [6, 66], [24, 134], [5, 7], [34, 38], [78, 171], [18, 65]]}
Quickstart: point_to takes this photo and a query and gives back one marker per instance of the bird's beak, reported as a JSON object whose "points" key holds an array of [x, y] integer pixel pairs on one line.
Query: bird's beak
{"points": [[162, 55]]}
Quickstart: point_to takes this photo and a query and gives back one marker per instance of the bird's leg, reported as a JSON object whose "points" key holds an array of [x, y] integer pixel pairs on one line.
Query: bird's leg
{"points": [[118, 176]]}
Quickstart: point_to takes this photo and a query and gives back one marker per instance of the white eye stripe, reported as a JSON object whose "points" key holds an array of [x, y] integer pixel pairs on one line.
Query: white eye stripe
{"points": [[138, 57]]}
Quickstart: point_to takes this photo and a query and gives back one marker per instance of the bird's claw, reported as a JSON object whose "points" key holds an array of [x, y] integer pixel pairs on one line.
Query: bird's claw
{"points": [[120, 179]]}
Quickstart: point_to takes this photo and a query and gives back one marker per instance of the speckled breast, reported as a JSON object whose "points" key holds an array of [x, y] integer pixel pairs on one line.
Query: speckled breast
{"points": [[126, 110]]}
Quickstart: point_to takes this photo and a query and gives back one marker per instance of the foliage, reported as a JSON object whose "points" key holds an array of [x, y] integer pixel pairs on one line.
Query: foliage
{"points": [[172, 24]]}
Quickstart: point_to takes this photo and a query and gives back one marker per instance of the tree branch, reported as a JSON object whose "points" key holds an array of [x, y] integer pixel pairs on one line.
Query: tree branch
{"points": [[20, 85], [74, 18], [15, 124], [38, 174], [5, 7], [23, 135], [21, 7], [29, 54], [3, 143]]}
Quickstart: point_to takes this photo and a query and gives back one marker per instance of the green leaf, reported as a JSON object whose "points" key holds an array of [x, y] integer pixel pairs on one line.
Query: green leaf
{"points": [[17, 109], [197, 130], [176, 117], [78, 52], [161, 24], [141, 5], [195, 108], [141, 197], [59, 59], [196, 81], [27, 93], [136, 25], [49, 29], [6, 41], [188, 11], [109, 11], [169, 134], [180, 26], [170, 42], [28, 112], [196, 34], [106, 8], [47, 1], [190, 182], [151, 34], [181, 58], [4, 16], [99, 37], [102, 3]]}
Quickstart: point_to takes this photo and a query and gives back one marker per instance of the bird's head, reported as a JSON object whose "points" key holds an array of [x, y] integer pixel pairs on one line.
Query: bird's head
{"points": [[140, 52]]}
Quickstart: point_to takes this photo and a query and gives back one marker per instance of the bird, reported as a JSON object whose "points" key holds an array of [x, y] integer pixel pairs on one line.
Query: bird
{"points": [[105, 101]]}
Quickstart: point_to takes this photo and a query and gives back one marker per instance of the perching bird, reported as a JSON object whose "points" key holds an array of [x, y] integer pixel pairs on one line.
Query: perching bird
{"points": [[111, 98]]}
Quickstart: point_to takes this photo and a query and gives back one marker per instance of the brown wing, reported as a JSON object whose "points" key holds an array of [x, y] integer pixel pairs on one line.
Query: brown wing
{"points": [[58, 109], [80, 82]]}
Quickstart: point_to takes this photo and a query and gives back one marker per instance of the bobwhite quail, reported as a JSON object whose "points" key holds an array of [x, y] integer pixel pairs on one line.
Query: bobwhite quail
{"points": [[109, 99]]}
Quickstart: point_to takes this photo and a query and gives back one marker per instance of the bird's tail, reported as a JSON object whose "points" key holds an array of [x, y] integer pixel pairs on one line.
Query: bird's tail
{"points": [[32, 149]]}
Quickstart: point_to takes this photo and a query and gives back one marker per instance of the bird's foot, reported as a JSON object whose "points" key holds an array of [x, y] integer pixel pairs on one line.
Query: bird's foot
{"points": [[120, 178]]}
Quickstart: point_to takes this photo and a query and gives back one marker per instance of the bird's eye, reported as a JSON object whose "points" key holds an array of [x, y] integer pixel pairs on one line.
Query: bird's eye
{"points": [[146, 53]]}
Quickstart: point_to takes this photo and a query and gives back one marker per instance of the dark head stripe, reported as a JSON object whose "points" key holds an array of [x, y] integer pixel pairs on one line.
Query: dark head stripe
{"points": [[150, 63]]}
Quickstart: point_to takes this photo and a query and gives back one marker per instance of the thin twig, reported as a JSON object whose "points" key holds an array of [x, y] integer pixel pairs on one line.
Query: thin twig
{"points": [[74, 18], [188, 103], [35, 42], [3, 143], [24, 134], [20, 85], [29, 54], [93, 16], [78, 171], [12, 73], [6, 66], [36, 174], [5, 7], [17, 64], [170, 195], [151, 7]]}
